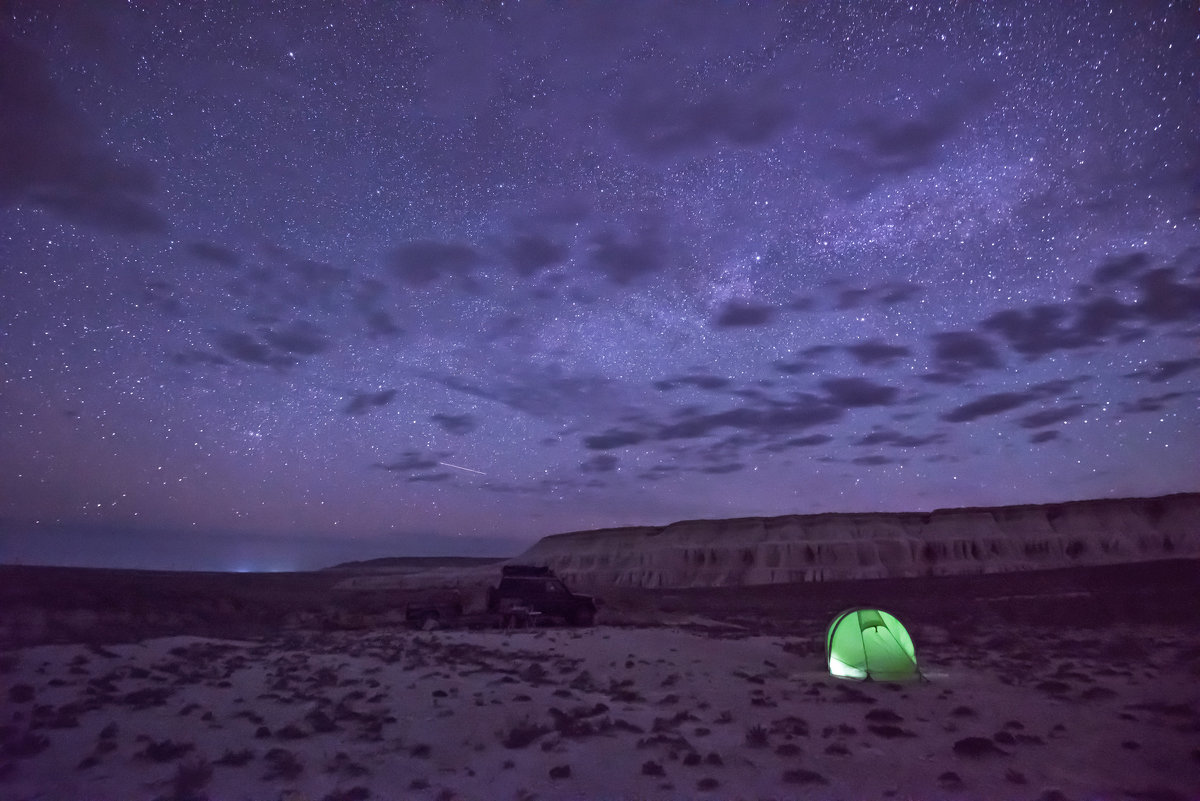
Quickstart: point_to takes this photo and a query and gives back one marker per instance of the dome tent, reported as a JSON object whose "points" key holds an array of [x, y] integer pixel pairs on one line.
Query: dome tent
{"points": [[870, 644]]}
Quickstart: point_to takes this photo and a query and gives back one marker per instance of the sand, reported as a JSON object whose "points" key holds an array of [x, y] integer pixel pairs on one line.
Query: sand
{"points": [[699, 710]]}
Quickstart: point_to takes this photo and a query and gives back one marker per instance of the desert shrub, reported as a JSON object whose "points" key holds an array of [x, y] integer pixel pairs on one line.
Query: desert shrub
{"points": [[164, 751], [756, 737], [191, 777], [803, 776], [283, 764], [235, 759], [522, 734]]}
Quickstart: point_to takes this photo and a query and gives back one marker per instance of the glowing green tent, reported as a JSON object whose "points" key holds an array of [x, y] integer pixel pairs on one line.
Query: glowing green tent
{"points": [[870, 644]]}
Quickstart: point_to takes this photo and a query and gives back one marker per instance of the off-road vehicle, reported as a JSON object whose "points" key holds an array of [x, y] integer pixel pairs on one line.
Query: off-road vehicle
{"points": [[526, 590]]}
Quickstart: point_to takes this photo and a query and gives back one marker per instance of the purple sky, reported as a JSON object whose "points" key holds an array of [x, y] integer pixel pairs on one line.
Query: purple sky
{"points": [[287, 286]]}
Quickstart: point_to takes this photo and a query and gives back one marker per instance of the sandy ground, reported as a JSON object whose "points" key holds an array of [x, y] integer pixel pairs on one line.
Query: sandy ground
{"points": [[694, 711]]}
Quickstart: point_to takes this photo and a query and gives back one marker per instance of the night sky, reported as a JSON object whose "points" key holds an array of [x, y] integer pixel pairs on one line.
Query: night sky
{"points": [[284, 286]]}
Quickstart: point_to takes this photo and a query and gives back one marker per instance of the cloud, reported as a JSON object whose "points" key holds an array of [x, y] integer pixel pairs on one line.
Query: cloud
{"points": [[1150, 403], [408, 462], [247, 348], [900, 144], [457, 424], [989, 405], [423, 262], [1050, 417], [858, 392], [897, 439], [874, 352], [300, 337], [54, 159], [1043, 436], [430, 478], [543, 392], [743, 314], [799, 442], [362, 402], [624, 261], [600, 463], [278, 347], [531, 253], [661, 121], [708, 382], [612, 438], [217, 254], [1166, 370], [1121, 268], [958, 354]]}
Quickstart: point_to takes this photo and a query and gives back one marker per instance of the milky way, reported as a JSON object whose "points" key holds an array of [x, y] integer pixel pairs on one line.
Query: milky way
{"points": [[288, 285]]}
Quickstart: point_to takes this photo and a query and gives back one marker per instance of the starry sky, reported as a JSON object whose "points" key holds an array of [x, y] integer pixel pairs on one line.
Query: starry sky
{"points": [[287, 284]]}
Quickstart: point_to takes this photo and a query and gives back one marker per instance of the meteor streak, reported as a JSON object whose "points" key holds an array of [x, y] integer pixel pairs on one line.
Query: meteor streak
{"points": [[469, 470]]}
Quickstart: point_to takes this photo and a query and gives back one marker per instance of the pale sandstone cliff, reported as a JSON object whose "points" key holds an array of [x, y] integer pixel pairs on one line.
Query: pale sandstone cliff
{"points": [[826, 547]]}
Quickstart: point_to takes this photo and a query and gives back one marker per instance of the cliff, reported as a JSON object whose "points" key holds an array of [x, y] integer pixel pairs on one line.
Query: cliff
{"points": [[826, 547]]}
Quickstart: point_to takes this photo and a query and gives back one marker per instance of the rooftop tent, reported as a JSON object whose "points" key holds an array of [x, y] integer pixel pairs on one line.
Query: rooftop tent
{"points": [[870, 644]]}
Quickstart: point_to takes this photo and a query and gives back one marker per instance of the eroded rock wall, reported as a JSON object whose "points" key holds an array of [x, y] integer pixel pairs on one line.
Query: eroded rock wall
{"points": [[767, 550]]}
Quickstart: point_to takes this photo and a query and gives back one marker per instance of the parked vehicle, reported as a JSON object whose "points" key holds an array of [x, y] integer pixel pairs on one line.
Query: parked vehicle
{"points": [[532, 590], [526, 595]]}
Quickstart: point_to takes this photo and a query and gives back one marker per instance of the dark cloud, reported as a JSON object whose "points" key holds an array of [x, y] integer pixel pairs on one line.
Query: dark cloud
{"points": [[875, 352], [872, 461], [741, 314], [1043, 436], [1151, 403], [623, 261], [858, 392], [958, 354], [1166, 370], [612, 438], [1163, 299], [772, 419], [423, 262], [380, 324], [989, 405], [600, 463], [661, 121], [429, 478], [407, 462], [363, 402], [531, 253], [902, 144], [191, 358], [799, 442], [709, 382], [217, 254], [720, 469], [898, 439], [1036, 331], [545, 392], [1050, 417], [52, 158], [1121, 268], [301, 337], [455, 423], [247, 348]]}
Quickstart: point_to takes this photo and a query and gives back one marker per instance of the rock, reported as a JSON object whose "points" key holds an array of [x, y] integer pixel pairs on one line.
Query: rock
{"points": [[825, 547]]}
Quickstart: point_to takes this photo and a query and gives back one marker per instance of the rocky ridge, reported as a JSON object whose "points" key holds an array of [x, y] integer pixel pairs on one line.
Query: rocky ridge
{"points": [[836, 546]]}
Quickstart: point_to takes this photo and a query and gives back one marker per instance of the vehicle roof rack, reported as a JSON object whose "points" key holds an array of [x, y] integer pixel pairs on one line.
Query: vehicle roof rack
{"points": [[525, 570]]}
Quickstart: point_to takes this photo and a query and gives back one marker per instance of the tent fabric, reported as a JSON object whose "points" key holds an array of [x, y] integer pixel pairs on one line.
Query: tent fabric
{"points": [[870, 644]]}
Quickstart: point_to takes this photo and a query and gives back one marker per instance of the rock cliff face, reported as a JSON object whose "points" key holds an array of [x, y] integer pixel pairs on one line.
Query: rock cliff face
{"points": [[826, 547]]}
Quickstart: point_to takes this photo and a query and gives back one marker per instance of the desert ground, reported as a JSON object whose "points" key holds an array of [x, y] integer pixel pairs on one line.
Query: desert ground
{"points": [[1073, 684]]}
